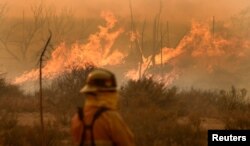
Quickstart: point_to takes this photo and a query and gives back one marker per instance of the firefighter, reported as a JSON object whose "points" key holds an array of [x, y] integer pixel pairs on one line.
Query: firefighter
{"points": [[98, 123]]}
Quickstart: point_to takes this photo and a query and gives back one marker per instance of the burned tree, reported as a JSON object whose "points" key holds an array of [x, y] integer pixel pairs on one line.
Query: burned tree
{"points": [[43, 141]]}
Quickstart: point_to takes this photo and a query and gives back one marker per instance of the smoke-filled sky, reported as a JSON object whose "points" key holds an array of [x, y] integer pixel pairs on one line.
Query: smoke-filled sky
{"points": [[172, 9]]}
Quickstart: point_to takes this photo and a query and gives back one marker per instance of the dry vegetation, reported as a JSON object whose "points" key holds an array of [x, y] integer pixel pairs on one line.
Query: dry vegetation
{"points": [[172, 117], [167, 115]]}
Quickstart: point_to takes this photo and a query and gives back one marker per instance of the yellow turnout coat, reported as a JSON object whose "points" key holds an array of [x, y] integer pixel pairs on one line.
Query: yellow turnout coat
{"points": [[109, 129]]}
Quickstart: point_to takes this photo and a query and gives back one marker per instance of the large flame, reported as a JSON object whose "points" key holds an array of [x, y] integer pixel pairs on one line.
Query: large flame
{"points": [[199, 49], [96, 52]]}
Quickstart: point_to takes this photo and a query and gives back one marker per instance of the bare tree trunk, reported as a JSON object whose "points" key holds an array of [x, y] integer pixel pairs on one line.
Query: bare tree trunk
{"points": [[137, 45], [43, 139], [168, 40], [141, 49], [156, 34]]}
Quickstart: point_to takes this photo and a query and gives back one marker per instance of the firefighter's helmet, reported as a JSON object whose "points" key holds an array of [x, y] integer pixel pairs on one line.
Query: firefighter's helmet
{"points": [[100, 80]]}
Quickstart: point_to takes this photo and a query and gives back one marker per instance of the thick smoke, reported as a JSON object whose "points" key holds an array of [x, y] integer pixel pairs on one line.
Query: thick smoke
{"points": [[174, 10]]}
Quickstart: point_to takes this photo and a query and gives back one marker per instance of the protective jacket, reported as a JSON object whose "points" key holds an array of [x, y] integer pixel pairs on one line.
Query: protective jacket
{"points": [[109, 128]]}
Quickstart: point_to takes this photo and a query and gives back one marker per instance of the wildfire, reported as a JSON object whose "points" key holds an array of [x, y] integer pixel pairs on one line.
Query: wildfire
{"points": [[97, 52], [134, 36], [198, 49]]}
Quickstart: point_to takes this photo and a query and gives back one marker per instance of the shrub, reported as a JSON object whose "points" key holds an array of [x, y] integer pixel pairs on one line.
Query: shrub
{"points": [[160, 109], [63, 95], [145, 92], [31, 136], [9, 90]]}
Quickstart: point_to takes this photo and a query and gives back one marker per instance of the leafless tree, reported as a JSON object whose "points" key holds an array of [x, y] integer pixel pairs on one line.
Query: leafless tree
{"points": [[4, 38], [23, 36], [61, 24], [43, 140], [156, 31], [138, 44]]}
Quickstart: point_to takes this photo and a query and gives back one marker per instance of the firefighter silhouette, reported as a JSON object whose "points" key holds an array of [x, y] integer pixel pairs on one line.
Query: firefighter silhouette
{"points": [[98, 123]]}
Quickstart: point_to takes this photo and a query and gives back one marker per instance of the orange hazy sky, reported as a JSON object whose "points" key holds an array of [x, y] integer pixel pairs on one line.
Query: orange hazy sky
{"points": [[172, 9]]}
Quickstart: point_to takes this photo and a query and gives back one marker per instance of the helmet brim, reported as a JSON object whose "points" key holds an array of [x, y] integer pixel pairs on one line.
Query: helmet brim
{"points": [[89, 89]]}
